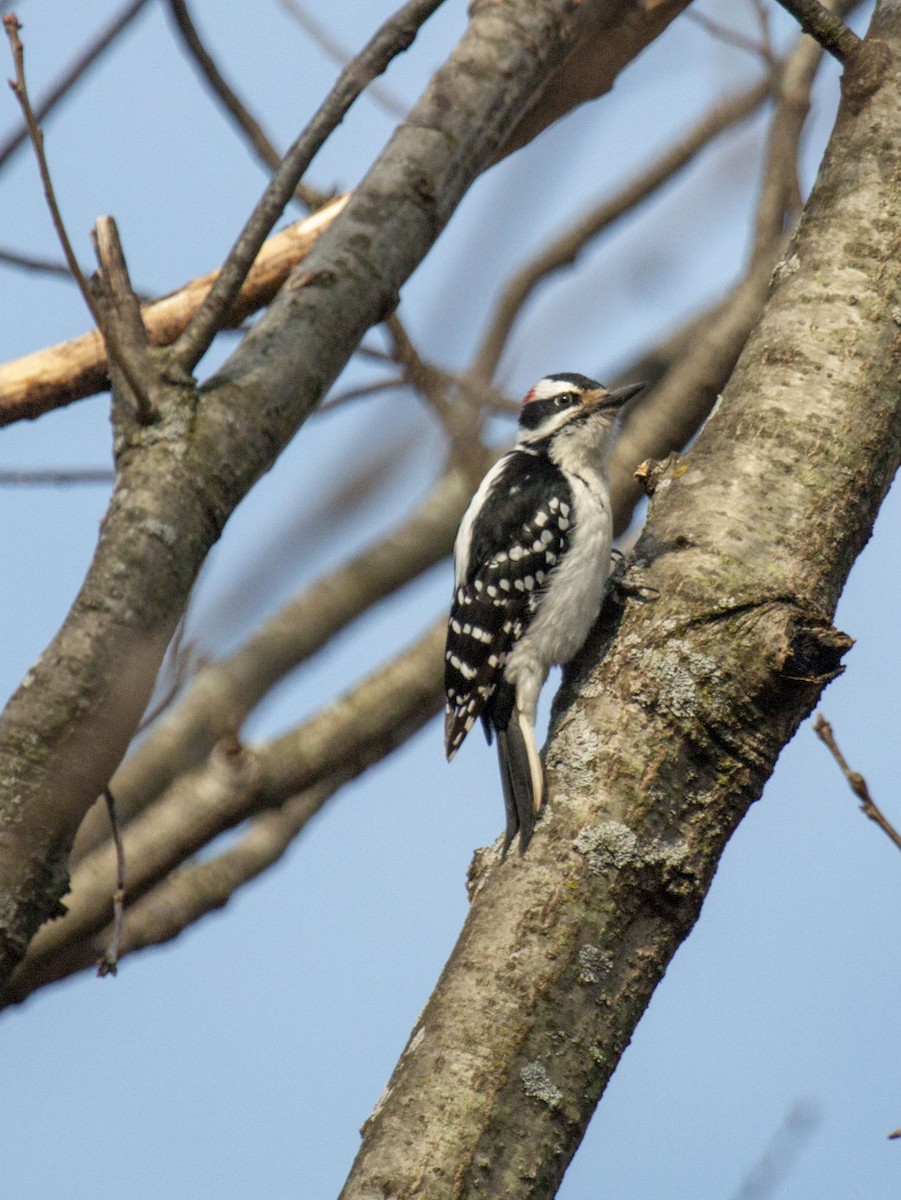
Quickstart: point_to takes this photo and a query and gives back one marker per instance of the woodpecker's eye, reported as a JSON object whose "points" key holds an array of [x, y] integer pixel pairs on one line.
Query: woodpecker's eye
{"points": [[565, 400]]}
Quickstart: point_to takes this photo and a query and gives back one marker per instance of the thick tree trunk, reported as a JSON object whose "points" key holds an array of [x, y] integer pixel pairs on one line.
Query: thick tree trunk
{"points": [[658, 751]]}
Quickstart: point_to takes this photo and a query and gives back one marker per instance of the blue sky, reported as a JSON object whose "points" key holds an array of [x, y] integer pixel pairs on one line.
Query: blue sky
{"points": [[243, 1058]]}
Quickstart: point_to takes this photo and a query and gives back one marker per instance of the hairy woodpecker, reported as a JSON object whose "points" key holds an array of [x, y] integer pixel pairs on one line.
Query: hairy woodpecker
{"points": [[531, 561]]}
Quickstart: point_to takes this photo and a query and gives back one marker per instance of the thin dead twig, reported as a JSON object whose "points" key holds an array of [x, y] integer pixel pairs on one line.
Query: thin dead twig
{"points": [[394, 36], [73, 74], [856, 781], [234, 106], [357, 730], [323, 39], [732, 37], [430, 382], [34, 262], [116, 351], [192, 891], [59, 375], [339, 399], [109, 962], [55, 477]]}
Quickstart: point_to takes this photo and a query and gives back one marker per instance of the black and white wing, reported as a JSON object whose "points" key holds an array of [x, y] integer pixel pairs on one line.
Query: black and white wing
{"points": [[510, 541]]}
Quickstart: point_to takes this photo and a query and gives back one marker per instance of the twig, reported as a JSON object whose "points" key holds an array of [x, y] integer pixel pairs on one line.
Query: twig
{"points": [[391, 39], [731, 37], [362, 727], [829, 30], [109, 962], [856, 781], [73, 74], [673, 410], [427, 380], [60, 374], [339, 399], [122, 327], [221, 694], [339, 55], [781, 1153], [12, 26], [32, 262], [564, 249], [197, 889], [56, 477], [246, 122]]}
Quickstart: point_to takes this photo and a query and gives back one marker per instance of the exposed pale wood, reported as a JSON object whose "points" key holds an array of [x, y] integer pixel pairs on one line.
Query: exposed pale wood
{"points": [[72, 370]]}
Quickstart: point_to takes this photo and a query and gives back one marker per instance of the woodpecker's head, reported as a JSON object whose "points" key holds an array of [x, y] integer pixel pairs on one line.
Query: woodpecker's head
{"points": [[563, 398]]}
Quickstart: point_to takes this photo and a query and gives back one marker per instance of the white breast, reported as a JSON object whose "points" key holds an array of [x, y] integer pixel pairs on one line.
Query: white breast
{"points": [[573, 600]]}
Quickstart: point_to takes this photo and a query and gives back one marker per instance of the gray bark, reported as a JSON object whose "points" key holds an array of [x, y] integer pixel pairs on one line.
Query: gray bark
{"points": [[674, 721]]}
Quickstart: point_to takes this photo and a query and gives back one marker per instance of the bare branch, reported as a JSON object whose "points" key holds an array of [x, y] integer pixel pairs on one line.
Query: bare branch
{"points": [[344, 739], [12, 26], [732, 37], [34, 262], [221, 694], [432, 384], [829, 30], [192, 891], [108, 327], [73, 74], [671, 412], [856, 781], [78, 368], [56, 477], [109, 962], [564, 249], [121, 324], [392, 38], [237, 109], [339, 399], [339, 55]]}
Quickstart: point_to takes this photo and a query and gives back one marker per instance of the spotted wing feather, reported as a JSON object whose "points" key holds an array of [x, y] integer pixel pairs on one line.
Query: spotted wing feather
{"points": [[516, 543]]}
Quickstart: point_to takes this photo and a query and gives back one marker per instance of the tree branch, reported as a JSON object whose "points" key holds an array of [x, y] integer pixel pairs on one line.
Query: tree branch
{"points": [[340, 742], [856, 781], [73, 74], [105, 320], [57, 477], [566, 247], [828, 29], [661, 748], [222, 694], [231, 102], [188, 894], [78, 368], [392, 38]]}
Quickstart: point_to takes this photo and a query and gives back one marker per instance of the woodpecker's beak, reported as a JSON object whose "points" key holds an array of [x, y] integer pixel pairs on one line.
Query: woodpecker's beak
{"points": [[618, 397]]}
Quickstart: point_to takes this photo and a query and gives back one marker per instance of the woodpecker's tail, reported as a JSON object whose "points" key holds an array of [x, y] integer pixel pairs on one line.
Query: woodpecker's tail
{"points": [[522, 777]]}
